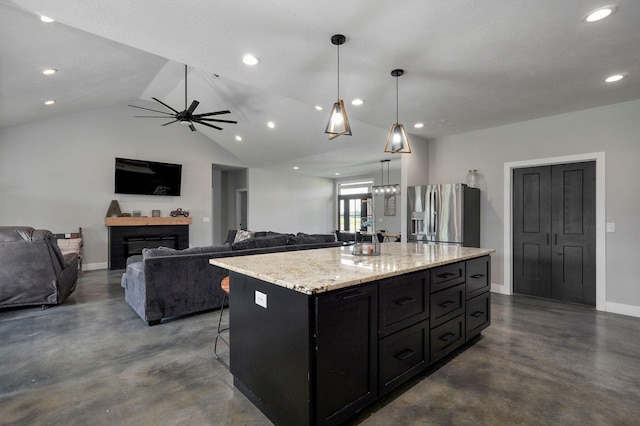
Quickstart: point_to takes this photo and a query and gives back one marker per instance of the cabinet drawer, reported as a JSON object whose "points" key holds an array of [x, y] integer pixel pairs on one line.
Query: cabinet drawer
{"points": [[446, 276], [446, 337], [447, 304], [478, 314], [478, 280], [402, 355], [404, 301]]}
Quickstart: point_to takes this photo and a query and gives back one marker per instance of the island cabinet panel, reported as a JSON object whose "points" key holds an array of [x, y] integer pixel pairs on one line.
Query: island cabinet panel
{"points": [[404, 301], [271, 342], [446, 276], [477, 276], [447, 337], [346, 352], [402, 355], [447, 304], [478, 314]]}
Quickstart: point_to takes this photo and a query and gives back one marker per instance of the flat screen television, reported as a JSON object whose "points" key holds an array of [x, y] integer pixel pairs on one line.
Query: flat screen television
{"points": [[147, 177]]}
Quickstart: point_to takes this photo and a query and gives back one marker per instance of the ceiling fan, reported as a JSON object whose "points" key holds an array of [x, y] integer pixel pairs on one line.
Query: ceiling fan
{"points": [[186, 117]]}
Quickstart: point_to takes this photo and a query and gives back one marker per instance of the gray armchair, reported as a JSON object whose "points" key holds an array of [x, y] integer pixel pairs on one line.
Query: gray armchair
{"points": [[33, 271]]}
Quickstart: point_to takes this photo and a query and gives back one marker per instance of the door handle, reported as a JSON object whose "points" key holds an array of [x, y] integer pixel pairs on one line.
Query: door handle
{"points": [[404, 354], [404, 301], [447, 337], [350, 294]]}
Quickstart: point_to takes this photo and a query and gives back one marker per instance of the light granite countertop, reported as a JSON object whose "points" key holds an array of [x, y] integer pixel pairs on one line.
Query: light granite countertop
{"points": [[321, 270]]}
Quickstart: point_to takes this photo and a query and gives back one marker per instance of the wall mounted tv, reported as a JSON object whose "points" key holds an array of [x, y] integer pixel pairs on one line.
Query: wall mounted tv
{"points": [[147, 177]]}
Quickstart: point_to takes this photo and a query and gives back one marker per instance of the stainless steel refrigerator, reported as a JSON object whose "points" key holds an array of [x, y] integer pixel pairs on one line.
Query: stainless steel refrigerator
{"points": [[444, 213]]}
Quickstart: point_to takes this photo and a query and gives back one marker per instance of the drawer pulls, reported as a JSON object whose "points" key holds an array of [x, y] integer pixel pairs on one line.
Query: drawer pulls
{"points": [[477, 314], [446, 275], [447, 303], [476, 276], [404, 301], [350, 294], [404, 354], [447, 337]]}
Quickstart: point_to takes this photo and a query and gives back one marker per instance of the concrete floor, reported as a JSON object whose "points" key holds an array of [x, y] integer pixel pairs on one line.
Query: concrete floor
{"points": [[92, 361]]}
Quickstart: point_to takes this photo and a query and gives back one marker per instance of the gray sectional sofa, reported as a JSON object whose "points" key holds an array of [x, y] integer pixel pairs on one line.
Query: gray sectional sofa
{"points": [[165, 283]]}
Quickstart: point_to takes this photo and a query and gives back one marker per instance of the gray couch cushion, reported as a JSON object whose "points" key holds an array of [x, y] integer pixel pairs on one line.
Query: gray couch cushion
{"points": [[166, 251], [254, 243]]}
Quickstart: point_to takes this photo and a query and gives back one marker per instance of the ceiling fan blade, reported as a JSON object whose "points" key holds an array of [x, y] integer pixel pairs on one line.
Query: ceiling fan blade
{"points": [[212, 113], [152, 116], [192, 127], [170, 122], [158, 100], [193, 106], [149, 109], [219, 121], [207, 124]]}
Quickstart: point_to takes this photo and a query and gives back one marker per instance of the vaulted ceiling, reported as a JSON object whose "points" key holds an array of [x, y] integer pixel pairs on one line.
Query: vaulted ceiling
{"points": [[468, 65]]}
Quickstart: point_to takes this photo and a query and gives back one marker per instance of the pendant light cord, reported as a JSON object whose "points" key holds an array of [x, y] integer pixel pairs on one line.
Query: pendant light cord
{"points": [[397, 102], [338, 71]]}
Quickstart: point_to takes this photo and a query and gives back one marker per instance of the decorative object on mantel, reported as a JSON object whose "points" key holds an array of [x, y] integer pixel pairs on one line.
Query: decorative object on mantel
{"points": [[136, 213], [186, 117], [114, 209], [180, 212], [397, 141], [155, 213], [338, 122]]}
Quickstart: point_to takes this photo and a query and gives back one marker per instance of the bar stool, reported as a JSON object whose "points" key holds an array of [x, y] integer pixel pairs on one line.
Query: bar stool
{"points": [[224, 284]]}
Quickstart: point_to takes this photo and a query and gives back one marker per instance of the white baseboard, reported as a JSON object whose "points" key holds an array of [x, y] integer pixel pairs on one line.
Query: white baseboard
{"points": [[621, 308], [500, 289], [95, 266]]}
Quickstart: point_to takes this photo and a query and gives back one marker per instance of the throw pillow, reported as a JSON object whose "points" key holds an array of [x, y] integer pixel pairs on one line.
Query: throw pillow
{"points": [[242, 235], [70, 245]]}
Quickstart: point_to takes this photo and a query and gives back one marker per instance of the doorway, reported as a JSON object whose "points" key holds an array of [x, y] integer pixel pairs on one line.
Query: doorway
{"points": [[554, 232], [241, 209]]}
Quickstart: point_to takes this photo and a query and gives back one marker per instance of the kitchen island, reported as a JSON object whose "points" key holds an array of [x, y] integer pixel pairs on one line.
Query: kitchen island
{"points": [[318, 335]]}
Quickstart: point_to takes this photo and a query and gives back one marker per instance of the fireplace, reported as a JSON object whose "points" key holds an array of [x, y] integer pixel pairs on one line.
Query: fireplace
{"points": [[134, 245], [125, 241]]}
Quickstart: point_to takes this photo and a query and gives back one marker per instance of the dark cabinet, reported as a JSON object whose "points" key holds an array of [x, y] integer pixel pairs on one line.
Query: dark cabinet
{"points": [[477, 276], [447, 337], [346, 352], [404, 300], [478, 314]]}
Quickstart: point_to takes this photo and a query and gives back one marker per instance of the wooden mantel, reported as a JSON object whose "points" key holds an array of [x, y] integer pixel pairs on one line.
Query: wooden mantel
{"points": [[147, 221]]}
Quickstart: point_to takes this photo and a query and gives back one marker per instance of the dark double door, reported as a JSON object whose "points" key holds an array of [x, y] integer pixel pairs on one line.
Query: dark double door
{"points": [[554, 232]]}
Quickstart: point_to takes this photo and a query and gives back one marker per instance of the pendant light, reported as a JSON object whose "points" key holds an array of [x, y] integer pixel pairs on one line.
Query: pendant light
{"points": [[338, 122], [397, 141]]}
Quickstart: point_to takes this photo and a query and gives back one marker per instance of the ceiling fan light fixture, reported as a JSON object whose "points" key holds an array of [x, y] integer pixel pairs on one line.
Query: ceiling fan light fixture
{"points": [[338, 124], [397, 141]]}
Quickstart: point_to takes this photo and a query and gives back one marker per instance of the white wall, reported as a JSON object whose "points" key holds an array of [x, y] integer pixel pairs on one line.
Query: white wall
{"points": [[613, 129], [290, 202], [58, 174]]}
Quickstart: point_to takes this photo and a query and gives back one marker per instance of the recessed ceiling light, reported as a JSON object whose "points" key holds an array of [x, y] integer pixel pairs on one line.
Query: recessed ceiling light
{"points": [[50, 102], [49, 71], [238, 138], [271, 125], [319, 108], [614, 78], [418, 125], [296, 168], [250, 59], [46, 19], [357, 102], [599, 14], [337, 173]]}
